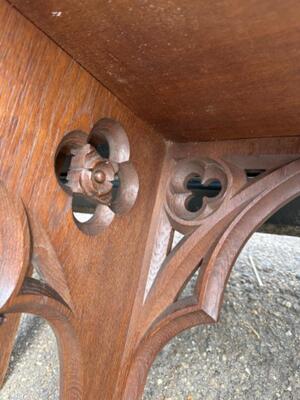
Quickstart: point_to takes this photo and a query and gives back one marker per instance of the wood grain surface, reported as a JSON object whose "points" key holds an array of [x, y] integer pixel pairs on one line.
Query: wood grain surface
{"points": [[214, 236], [113, 299], [195, 69], [43, 95]]}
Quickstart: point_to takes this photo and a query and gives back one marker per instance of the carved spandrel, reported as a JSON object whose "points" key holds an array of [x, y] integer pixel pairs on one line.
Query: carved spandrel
{"points": [[24, 243], [215, 235]]}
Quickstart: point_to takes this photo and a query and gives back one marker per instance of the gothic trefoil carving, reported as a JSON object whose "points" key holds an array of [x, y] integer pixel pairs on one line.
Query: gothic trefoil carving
{"points": [[215, 227], [215, 202]]}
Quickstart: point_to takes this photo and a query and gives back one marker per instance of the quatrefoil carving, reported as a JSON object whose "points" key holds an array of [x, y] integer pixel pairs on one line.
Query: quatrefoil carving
{"points": [[99, 171]]}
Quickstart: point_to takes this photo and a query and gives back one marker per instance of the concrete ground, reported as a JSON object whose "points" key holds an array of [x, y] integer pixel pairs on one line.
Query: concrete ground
{"points": [[252, 354]]}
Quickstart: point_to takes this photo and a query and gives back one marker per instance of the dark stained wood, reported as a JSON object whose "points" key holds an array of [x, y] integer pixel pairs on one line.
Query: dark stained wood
{"points": [[195, 69]]}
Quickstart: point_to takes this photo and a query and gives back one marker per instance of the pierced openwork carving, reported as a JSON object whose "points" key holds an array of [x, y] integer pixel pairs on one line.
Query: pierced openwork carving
{"points": [[25, 244], [213, 237], [207, 171], [99, 170]]}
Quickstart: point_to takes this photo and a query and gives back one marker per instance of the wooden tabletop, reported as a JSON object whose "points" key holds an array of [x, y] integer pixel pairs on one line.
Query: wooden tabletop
{"points": [[194, 69]]}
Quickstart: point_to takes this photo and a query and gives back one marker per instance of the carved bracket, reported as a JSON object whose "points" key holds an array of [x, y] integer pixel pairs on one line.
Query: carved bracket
{"points": [[214, 232], [212, 201]]}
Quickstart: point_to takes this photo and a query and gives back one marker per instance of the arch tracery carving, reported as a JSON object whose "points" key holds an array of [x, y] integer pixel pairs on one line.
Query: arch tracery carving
{"points": [[24, 243], [213, 237]]}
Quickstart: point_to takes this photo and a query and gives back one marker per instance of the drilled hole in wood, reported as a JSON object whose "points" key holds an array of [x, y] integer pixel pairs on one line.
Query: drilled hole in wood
{"points": [[200, 190]]}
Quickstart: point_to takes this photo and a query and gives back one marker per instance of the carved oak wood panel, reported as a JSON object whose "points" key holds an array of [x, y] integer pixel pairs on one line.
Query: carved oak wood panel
{"points": [[214, 235], [44, 95], [112, 298]]}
